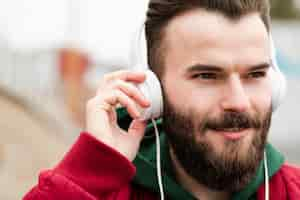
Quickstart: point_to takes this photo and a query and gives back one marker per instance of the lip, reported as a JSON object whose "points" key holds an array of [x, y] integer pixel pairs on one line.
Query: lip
{"points": [[233, 135]]}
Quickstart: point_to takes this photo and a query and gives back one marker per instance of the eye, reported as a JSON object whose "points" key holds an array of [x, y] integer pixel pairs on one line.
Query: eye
{"points": [[205, 75], [257, 74]]}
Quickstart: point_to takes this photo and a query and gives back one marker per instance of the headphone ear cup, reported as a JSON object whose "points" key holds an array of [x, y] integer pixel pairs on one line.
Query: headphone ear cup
{"points": [[152, 91], [278, 81], [278, 84], [151, 87]]}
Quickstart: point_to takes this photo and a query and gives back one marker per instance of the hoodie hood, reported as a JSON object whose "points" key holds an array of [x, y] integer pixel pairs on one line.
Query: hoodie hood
{"points": [[145, 163]]}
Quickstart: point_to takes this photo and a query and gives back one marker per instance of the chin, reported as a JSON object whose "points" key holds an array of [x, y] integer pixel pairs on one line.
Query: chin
{"points": [[233, 149]]}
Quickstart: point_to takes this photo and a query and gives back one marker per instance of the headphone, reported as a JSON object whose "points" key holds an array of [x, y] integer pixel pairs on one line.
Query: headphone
{"points": [[151, 88]]}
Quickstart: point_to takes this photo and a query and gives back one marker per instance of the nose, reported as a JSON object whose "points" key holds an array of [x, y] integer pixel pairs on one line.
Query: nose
{"points": [[235, 97]]}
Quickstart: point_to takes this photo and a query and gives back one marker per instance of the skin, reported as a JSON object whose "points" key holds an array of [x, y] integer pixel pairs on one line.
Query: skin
{"points": [[197, 37], [234, 48], [101, 121], [236, 80]]}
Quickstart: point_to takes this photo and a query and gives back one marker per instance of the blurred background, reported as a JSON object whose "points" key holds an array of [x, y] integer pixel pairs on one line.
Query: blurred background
{"points": [[53, 52]]}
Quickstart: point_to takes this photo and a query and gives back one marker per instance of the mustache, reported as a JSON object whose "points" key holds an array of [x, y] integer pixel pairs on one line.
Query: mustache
{"points": [[228, 120]]}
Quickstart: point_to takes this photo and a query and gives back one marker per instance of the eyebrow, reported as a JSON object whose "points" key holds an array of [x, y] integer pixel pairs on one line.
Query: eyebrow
{"points": [[212, 68], [260, 67], [206, 68]]}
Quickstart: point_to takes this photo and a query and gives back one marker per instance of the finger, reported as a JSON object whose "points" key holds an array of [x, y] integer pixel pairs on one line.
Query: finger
{"points": [[137, 128], [133, 92], [124, 100], [125, 75]]}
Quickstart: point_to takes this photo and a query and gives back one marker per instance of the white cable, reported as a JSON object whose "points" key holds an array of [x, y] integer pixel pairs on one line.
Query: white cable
{"points": [[266, 177], [158, 161]]}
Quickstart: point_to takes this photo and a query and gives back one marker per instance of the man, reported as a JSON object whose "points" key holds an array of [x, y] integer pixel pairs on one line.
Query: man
{"points": [[213, 60]]}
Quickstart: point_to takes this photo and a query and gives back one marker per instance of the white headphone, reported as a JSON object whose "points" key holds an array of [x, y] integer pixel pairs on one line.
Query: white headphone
{"points": [[151, 87], [278, 80]]}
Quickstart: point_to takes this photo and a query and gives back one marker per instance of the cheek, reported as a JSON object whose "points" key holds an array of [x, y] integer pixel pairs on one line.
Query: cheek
{"points": [[261, 97], [189, 96]]}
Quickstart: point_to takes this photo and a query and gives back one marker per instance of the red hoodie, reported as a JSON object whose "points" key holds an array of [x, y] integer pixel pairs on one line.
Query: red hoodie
{"points": [[93, 171]]}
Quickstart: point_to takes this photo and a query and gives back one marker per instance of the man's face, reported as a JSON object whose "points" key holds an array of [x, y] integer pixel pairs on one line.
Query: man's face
{"points": [[217, 96]]}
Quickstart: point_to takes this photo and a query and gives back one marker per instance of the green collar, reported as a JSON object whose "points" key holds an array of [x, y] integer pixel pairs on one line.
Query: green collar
{"points": [[145, 163]]}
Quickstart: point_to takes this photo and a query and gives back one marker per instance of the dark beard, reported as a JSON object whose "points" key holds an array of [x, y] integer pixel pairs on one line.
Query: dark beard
{"points": [[226, 171]]}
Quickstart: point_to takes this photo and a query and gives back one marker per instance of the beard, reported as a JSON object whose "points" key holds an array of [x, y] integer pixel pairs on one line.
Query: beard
{"points": [[229, 170]]}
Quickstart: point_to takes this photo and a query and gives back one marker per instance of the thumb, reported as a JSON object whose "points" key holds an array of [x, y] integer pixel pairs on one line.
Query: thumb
{"points": [[137, 128]]}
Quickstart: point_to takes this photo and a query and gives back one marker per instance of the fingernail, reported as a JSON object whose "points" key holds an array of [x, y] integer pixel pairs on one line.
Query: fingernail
{"points": [[146, 103]]}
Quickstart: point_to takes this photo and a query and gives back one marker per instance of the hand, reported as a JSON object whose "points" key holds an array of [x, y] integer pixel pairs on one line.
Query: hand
{"points": [[117, 88]]}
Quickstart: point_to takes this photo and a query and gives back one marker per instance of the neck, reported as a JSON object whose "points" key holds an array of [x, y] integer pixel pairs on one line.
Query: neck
{"points": [[198, 190]]}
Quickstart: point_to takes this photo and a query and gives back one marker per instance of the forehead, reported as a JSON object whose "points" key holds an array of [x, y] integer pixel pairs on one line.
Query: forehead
{"points": [[203, 35]]}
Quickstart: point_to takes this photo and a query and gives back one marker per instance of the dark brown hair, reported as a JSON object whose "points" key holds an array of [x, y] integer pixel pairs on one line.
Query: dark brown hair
{"points": [[160, 12]]}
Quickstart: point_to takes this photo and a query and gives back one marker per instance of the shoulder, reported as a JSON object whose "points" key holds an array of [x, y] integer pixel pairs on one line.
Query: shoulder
{"points": [[290, 172], [291, 178]]}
